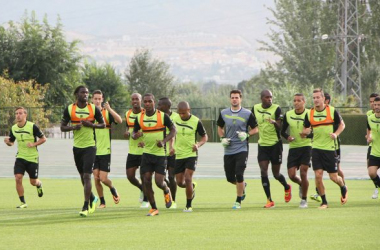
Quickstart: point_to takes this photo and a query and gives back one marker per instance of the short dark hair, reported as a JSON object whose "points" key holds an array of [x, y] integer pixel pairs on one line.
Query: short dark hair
{"points": [[20, 107], [377, 99], [301, 95], [319, 90], [97, 92], [149, 94], [76, 91], [327, 96], [166, 101], [374, 95], [236, 91]]}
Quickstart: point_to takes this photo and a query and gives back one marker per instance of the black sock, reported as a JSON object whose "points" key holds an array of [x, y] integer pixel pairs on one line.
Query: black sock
{"points": [[304, 198], [92, 197], [113, 191], [140, 187], [376, 181], [39, 185], [154, 205], [22, 199], [238, 199], [282, 180], [102, 201], [343, 191], [324, 201], [316, 190], [145, 198], [188, 202], [85, 206], [266, 186], [167, 191]]}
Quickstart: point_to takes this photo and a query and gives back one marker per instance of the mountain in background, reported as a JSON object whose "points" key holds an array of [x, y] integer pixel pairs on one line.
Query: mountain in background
{"points": [[201, 40]]}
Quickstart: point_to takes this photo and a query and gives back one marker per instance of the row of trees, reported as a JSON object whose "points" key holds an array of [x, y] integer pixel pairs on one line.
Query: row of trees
{"points": [[37, 54]]}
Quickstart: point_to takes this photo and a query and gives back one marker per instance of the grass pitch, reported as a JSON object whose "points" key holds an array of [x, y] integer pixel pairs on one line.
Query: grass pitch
{"points": [[53, 222]]}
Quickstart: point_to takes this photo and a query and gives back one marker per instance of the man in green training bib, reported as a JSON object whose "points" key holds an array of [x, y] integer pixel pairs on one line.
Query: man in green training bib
{"points": [[373, 136], [370, 112], [102, 165], [164, 105], [82, 116], [327, 126], [299, 146], [186, 149], [25, 132], [269, 118], [151, 125]]}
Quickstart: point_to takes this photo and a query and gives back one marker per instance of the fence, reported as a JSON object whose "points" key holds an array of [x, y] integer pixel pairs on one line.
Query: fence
{"points": [[49, 120]]}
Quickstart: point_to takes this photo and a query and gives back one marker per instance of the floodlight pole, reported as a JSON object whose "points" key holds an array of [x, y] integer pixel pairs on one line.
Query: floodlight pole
{"points": [[348, 74]]}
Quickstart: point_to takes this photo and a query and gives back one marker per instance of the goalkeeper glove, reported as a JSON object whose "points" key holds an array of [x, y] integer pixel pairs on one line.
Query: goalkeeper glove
{"points": [[242, 135], [225, 141]]}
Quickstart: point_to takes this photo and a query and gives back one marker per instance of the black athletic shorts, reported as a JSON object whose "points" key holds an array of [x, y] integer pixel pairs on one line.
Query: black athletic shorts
{"points": [[22, 165], [324, 159], [369, 152], [171, 163], [153, 163], [133, 161], [234, 165], [299, 156], [103, 163], [374, 161], [188, 163], [270, 153], [84, 159]]}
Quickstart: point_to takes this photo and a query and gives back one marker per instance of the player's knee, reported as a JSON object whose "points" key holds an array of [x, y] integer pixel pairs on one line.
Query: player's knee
{"points": [[18, 179], [172, 179], [33, 182], [239, 178], [188, 180]]}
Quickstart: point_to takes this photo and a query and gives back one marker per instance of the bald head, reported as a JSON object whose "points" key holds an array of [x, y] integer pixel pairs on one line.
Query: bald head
{"points": [[265, 92], [136, 95], [183, 105], [183, 110]]}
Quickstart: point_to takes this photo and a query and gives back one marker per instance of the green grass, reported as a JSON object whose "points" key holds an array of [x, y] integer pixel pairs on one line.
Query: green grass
{"points": [[53, 222]]}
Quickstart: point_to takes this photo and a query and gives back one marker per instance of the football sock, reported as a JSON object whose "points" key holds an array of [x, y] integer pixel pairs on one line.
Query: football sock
{"points": [[154, 205], [22, 199], [282, 180], [188, 202], [113, 191], [238, 199], [266, 186], [324, 201], [102, 201], [376, 181], [85, 206]]}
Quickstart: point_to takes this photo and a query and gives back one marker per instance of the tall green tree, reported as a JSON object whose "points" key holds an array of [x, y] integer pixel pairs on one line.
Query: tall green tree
{"points": [[149, 75], [105, 78], [31, 50], [304, 59]]}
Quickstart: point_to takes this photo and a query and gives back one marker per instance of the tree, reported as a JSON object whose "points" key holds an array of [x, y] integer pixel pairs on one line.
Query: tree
{"points": [[27, 94], [106, 79], [31, 51], [149, 75], [304, 58]]}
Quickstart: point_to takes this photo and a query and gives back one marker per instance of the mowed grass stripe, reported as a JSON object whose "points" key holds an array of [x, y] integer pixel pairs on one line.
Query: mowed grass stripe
{"points": [[53, 220]]}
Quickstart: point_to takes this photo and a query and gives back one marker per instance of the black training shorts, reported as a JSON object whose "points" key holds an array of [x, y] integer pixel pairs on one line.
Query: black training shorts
{"points": [[234, 165], [22, 165], [170, 161], [133, 161], [103, 163], [299, 156], [374, 161], [270, 153], [324, 159], [153, 163], [188, 163], [84, 159]]}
